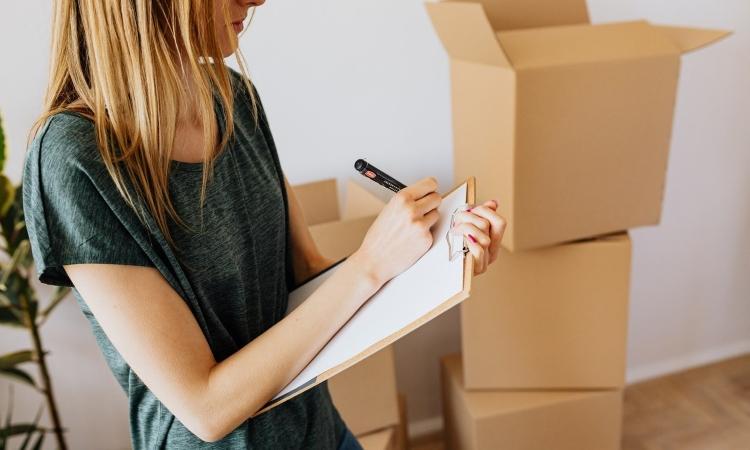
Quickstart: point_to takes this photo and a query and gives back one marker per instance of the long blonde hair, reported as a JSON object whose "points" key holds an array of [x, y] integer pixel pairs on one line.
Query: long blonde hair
{"points": [[122, 63]]}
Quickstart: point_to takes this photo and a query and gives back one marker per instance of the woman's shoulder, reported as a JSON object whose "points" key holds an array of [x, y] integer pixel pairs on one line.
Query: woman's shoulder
{"points": [[67, 136], [63, 157]]}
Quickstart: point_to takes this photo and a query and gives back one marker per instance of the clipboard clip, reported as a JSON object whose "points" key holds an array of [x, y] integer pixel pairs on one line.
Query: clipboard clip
{"points": [[456, 245]]}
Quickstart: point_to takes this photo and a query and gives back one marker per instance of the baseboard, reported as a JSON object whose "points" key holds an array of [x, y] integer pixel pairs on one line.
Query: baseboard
{"points": [[432, 425], [689, 361]]}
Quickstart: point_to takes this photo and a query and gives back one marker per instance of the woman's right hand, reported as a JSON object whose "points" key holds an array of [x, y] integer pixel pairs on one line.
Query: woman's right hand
{"points": [[401, 234]]}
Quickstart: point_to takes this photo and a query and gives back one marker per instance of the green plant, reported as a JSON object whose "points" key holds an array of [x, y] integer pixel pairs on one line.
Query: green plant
{"points": [[17, 429], [20, 308]]}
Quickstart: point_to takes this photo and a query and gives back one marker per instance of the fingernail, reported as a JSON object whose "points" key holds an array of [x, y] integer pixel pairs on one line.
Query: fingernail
{"points": [[471, 238]]}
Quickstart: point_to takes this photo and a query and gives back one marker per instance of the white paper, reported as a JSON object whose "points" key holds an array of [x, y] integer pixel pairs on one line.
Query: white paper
{"points": [[428, 283]]}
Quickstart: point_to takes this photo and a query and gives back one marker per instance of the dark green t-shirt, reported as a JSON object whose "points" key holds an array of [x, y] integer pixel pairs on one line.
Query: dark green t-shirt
{"points": [[234, 272]]}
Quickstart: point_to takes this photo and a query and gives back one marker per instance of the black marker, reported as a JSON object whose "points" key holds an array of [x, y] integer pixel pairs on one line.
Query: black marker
{"points": [[378, 175]]}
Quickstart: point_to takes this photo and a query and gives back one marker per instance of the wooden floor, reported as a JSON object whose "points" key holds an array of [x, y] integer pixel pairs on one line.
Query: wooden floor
{"points": [[706, 408]]}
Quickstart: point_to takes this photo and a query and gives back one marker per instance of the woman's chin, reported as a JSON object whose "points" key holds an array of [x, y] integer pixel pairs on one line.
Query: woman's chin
{"points": [[229, 46]]}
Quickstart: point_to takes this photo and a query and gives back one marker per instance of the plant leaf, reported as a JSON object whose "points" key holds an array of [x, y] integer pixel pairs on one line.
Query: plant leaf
{"points": [[9, 318], [39, 441], [16, 429], [2, 146], [18, 255], [10, 406], [18, 375], [9, 220], [15, 358], [27, 439], [13, 233], [4, 300], [7, 194], [16, 288], [3, 440]]}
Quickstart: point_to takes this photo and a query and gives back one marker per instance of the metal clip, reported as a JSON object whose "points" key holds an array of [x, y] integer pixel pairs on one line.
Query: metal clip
{"points": [[456, 245]]}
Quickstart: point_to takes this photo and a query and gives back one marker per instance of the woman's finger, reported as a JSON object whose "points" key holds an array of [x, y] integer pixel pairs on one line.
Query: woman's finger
{"points": [[488, 258], [477, 252], [497, 225], [479, 222], [468, 229], [428, 203], [419, 189]]}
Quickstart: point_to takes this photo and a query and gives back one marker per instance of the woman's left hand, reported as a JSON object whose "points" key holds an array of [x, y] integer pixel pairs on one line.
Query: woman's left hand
{"points": [[483, 228]]}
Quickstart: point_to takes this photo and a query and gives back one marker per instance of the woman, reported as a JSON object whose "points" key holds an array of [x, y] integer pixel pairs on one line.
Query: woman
{"points": [[153, 187]]}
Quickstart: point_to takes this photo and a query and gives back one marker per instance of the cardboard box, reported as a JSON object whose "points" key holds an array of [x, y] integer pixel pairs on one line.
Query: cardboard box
{"points": [[340, 238], [337, 232], [379, 440], [319, 201], [536, 420], [402, 431], [550, 318], [364, 201], [566, 124], [365, 394], [391, 438]]}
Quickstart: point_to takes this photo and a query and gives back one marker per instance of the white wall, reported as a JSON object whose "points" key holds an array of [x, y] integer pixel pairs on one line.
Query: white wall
{"points": [[690, 300], [343, 79]]}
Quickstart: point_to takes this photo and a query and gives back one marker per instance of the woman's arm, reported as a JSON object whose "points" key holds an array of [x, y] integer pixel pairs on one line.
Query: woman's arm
{"points": [[155, 332], [306, 258]]}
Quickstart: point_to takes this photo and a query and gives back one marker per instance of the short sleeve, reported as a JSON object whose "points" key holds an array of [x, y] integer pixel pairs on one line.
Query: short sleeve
{"points": [[67, 218]]}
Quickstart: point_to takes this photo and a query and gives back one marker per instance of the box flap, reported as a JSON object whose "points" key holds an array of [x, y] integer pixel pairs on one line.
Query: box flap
{"points": [[689, 39], [319, 201], [339, 239], [575, 44], [517, 14], [466, 33], [361, 201]]}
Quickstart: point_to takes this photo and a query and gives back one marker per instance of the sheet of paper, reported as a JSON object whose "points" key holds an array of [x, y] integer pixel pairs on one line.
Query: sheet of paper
{"points": [[428, 283]]}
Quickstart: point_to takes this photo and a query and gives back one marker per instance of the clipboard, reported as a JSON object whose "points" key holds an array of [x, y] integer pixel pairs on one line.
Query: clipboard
{"points": [[374, 326]]}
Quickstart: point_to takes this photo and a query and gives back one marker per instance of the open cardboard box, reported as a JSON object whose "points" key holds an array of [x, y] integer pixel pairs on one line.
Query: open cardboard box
{"points": [[365, 394], [566, 124], [551, 318], [337, 232]]}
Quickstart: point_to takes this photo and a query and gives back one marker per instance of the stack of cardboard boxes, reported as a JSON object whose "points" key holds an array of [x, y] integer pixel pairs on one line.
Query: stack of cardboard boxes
{"points": [[365, 394], [567, 125]]}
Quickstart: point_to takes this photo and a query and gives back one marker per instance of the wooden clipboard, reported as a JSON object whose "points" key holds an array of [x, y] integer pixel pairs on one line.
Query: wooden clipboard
{"points": [[468, 268]]}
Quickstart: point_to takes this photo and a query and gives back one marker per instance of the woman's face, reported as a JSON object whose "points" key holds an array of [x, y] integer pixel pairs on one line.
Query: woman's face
{"points": [[237, 11]]}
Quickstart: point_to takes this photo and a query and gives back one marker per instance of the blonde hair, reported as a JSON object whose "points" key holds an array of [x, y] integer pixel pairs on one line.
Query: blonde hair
{"points": [[123, 64]]}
